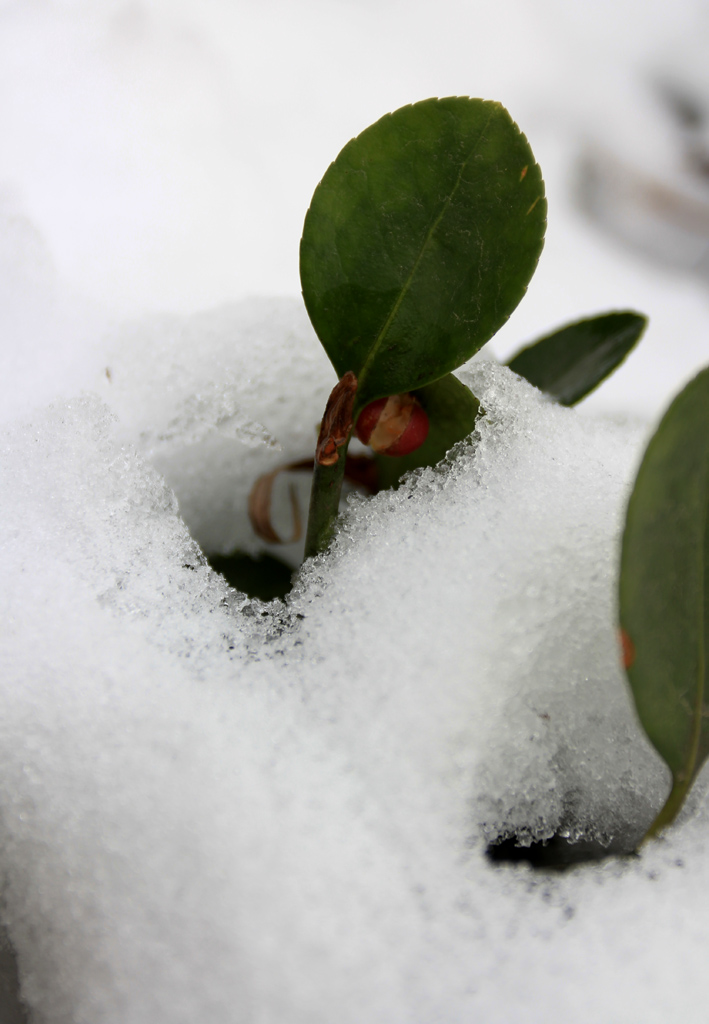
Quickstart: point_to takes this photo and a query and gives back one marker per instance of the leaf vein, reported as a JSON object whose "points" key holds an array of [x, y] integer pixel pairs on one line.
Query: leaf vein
{"points": [[379, 340]]}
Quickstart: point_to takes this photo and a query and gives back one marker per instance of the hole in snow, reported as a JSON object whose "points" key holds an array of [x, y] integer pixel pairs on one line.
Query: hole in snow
{"points": [[559, 852], [12, 1009], [263, 576]]}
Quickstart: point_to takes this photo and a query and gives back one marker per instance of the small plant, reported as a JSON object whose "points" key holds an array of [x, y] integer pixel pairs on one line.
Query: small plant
{"points": [[419, 242]]}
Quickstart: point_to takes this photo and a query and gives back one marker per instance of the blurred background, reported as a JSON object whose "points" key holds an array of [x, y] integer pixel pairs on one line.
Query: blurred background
{"points": [[159, 155]]}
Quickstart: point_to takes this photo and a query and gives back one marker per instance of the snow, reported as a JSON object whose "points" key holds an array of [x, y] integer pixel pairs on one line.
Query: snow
{"points": [[219, 810], [248, 404]]}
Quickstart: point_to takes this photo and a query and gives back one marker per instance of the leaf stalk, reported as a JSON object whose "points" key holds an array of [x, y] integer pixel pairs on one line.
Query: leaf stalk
{"points": [[670, 809], [324, 504]]}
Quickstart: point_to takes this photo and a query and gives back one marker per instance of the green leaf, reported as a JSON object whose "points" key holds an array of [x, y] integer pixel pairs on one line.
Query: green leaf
{"points": [[452, 410], [420, 241], [664, 579], [574, 360]]}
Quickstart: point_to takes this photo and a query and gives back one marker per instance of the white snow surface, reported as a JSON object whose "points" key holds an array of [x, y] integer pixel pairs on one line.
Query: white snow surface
{"points": [[225, 811], [218, 810]]}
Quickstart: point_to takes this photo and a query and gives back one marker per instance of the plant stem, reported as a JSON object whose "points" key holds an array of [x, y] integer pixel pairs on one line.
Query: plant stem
{"points": [[669, 812], [324, 504]]}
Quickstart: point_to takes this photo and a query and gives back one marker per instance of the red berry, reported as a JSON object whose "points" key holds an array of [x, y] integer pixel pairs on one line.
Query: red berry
{"points": [[393, 426], [414, 435], [368, 419]]}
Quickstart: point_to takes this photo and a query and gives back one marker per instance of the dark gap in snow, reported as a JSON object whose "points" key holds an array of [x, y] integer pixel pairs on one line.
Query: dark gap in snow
{"points": [[559, 852], [264, 577], [12, 1009]]}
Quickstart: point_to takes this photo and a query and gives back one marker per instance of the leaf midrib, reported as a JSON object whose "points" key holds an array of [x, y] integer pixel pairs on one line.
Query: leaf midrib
{"points": [[379, 340]]}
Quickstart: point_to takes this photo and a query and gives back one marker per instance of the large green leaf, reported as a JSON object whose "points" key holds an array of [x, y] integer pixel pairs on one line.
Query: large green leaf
{"points": [[574, 360], [664, 579], [420, 241], [452, 410]]}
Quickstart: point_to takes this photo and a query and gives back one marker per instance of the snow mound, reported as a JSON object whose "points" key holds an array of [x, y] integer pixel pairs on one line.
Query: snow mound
{"points": [[472, 612], [214, 400], [216, 809]]}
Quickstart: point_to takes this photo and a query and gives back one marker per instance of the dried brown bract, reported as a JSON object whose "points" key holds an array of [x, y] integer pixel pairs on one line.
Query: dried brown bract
{"points": [[336, 426]]}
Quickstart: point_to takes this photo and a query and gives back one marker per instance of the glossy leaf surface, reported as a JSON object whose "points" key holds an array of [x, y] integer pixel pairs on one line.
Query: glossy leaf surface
{"points": [[420, 241], [452, 410], [664, 578], [574, 360]]}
